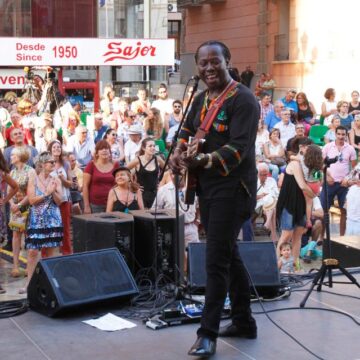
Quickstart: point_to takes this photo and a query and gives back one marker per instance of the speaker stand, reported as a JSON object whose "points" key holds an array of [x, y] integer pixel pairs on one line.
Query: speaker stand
{"points": [[329, 264]]}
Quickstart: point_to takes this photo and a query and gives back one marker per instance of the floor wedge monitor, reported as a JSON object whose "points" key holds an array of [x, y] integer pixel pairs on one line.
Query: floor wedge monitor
{"points": [[259, 258], [64, 283]]}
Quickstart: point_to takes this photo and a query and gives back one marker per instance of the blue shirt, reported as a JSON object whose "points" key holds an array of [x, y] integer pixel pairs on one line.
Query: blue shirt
{"points": [[292, 104], [271, 120], [99, 134], [346, 122]]}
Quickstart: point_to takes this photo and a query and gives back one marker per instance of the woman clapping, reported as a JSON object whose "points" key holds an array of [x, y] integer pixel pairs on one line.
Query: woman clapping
{"points": [[45, 228]]}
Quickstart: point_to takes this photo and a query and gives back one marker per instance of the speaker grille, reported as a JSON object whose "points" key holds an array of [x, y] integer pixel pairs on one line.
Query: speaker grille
{"points": [[259, 258], [156, 245], [68, 281]]}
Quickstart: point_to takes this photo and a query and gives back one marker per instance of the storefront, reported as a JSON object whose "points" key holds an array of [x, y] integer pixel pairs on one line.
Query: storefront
{"points": [[112, 19]]}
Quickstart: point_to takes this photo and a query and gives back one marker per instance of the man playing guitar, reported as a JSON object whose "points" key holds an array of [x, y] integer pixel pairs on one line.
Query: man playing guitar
{"points": [[227, 177]]}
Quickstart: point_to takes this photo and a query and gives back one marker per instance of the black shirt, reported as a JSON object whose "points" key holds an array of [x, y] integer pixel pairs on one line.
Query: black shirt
{"points": [[231, 140], [292, 199]]}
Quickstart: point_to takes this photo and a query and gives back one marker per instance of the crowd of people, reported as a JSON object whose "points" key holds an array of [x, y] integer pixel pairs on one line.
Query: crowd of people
{"points": [[55, 163], [290, 170]]}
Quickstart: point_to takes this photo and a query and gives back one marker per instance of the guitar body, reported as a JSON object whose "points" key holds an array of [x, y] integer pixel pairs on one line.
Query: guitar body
{"points": [[191, 179]]}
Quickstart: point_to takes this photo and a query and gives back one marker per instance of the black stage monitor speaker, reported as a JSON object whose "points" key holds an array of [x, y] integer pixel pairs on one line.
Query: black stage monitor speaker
{"points": [[103, 231], [60, 284], [346, 249], [259, 258], [156, 245]]}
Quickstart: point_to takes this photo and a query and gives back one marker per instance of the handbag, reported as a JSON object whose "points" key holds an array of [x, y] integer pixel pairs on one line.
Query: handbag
{"points": [[279, 161], [18, 221]]}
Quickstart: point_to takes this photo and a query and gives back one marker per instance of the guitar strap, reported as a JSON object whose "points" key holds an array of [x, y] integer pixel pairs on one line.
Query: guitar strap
{"points": [[212, 112]]}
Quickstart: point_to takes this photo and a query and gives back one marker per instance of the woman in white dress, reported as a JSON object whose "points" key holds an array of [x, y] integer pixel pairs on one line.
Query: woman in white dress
{"points": [[329, 106]]}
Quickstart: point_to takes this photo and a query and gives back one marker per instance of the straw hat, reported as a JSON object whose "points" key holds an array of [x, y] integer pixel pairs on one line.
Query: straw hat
{"points": [[269, 203], [135, 129]]}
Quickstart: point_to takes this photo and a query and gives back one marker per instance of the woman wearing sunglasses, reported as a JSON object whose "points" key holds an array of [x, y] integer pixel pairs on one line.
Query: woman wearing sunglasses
{"points": [[45, 227], [117, 145]]}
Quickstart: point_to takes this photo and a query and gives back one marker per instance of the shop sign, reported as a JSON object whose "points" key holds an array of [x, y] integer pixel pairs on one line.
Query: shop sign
{"points": [[86, 52]]}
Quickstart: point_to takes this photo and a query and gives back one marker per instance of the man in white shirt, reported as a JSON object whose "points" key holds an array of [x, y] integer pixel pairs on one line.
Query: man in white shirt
{"points": [[82, 145], [164, 104], [266, 198], [165, 199], [286, 128], [133, 144]]}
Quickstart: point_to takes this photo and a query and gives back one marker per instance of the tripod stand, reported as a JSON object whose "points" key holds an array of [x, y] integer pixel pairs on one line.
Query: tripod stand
{"points": [[330, 263]]}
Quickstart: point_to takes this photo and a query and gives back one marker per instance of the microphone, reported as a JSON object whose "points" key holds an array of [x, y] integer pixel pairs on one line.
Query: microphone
{"points": [[328, 161], [195, 77]]}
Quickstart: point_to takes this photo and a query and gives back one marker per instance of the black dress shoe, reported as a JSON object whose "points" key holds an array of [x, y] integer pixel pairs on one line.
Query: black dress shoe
{"points": [[248, 331], [203, 347]]}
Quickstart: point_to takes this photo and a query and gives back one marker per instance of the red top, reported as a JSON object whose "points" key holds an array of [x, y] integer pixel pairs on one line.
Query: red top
{"points": [[100, 184]]}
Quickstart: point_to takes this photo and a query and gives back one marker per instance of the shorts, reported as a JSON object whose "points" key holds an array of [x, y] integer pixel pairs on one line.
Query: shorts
{"points": [[287, 221], [336, 189]]}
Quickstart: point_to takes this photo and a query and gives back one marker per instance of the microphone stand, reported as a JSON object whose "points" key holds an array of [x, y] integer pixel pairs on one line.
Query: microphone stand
{"points": [[329, 264], [171, 150]]}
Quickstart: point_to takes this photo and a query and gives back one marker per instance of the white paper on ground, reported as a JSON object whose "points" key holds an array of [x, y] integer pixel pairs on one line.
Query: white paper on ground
{"points": [[110, 322]]}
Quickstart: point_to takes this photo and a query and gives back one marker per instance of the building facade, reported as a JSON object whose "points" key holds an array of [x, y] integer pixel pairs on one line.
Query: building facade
{"points": [[305, 44], [94, 19]]}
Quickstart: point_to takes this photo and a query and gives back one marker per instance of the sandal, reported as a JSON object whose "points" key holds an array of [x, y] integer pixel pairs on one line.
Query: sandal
{"points": [[15, 273]]}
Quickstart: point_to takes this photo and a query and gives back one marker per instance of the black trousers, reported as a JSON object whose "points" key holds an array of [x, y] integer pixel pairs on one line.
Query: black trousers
{"points": [[222, 220]]}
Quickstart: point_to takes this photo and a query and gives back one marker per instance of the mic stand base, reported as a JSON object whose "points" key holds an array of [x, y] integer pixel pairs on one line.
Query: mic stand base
{"points": [[329, 264], [327, 267]]}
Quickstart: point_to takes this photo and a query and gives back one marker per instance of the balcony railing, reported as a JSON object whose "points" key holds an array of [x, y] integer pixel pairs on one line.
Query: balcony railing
{"points": [[211, 1], [281, 47], [188, 3]]}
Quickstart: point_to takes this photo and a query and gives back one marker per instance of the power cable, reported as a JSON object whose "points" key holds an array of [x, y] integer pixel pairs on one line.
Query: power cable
{"points": [[13, 308], [276, 324]]}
